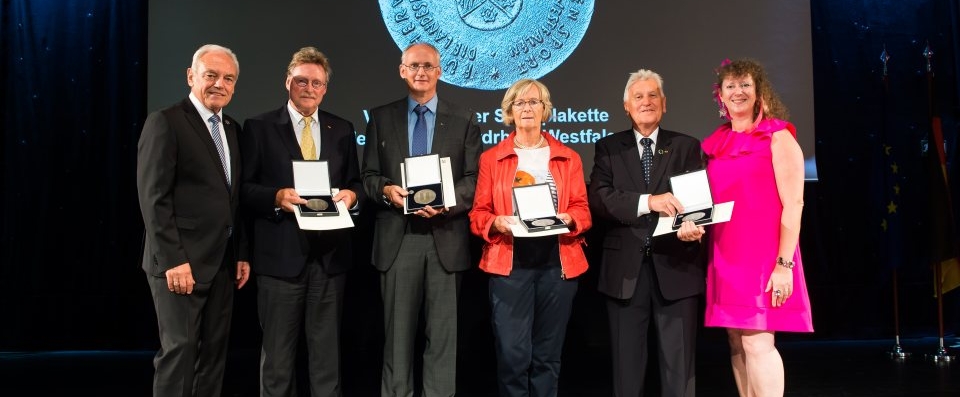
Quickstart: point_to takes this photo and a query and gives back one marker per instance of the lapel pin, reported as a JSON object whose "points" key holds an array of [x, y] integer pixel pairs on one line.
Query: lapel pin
{"points": [[663, 151]]}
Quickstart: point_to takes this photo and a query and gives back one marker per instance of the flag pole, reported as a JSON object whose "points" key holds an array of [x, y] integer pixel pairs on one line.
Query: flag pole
{"points": [[941, 356], [897, 353]]}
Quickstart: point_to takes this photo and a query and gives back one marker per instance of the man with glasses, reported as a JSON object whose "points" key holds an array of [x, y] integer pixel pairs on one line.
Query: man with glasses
{"points": [[194, 253], [300, 274], [420, 255]]}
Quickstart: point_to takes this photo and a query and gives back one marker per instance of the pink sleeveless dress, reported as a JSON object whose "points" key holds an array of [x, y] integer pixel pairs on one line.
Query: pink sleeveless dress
{"points": [[743, 251]]}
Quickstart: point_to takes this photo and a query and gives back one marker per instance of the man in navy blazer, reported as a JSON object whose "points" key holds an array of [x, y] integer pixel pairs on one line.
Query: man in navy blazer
{"points": [[300, 274], [420, 255], [647, 279], [188, 178]]}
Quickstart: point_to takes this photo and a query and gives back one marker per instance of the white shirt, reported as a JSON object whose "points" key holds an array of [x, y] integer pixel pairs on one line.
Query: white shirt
{"points": [[205, 115]]}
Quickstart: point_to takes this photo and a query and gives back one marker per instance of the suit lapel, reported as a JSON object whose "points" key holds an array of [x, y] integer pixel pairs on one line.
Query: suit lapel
{"points": [[630, 155], [400, 129], [288, 135], [200, 128], [661, 157], [440, 134], [233, 141], [326, 147]]}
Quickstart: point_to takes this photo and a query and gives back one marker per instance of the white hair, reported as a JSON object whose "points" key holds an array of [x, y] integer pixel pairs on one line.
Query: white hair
{"points": [[213, 48], [643, 74]]}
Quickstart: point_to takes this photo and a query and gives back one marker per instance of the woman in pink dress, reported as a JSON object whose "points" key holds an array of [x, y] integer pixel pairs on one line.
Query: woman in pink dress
{"points": [[755, 284]]}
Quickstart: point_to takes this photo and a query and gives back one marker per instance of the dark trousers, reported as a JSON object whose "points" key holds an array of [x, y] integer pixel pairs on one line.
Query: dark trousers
{"points": [[194, 333], [417, 279], [676, 328], [313, 303], [530, 310]]}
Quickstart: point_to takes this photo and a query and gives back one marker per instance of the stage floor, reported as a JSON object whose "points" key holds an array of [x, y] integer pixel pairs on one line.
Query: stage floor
{"points": [[813, 369]]}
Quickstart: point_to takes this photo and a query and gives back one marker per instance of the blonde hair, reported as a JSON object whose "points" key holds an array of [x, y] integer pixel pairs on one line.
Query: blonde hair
{"points": [[310, 55], [506, 106]]}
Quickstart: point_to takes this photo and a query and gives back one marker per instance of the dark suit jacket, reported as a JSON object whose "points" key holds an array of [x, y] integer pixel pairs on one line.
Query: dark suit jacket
{"points": [[269, 145], [188, 209], [456, 135], [615, 188]]}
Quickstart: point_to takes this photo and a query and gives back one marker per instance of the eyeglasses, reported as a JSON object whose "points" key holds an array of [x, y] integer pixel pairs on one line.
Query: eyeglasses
{"points": [[531, 102], [426, 68], [302, 83]]}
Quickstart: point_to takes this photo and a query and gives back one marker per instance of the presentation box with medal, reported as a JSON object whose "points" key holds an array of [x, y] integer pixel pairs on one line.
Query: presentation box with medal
{"points": [[692, 189], [535, 208], [423, 178], [311, 180]]}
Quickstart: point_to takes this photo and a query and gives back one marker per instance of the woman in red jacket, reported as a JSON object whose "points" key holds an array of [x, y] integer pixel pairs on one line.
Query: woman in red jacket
{"points": [[532, 279]]}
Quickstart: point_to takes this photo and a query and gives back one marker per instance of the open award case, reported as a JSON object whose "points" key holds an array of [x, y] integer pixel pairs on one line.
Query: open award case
{"points": [[311, 180], [535, 209], [428, 181], [692, 189]]}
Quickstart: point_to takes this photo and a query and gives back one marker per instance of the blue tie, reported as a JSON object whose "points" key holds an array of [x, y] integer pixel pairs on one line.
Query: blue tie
{"points": [[420, 132], [647, 158], [215, 134]]}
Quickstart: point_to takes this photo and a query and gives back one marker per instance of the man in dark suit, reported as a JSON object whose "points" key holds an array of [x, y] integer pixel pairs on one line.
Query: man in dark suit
{"points": [[419, 255], [645, 278], [300, 274], [188, 168]]}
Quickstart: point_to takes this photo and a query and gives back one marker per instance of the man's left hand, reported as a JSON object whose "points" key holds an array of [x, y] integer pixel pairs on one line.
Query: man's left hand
{"points": [[243, 273], [347, 196]]}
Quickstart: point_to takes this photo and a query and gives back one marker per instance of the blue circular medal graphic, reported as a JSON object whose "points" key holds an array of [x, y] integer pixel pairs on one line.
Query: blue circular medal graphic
{"points": [[490, 44]]}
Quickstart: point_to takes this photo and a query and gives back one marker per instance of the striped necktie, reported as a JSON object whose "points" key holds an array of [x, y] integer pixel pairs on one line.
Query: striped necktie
{"points": [[218, 142]]}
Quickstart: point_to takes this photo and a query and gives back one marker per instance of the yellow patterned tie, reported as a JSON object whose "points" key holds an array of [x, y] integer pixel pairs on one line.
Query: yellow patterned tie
{"points": [[307, 147]]}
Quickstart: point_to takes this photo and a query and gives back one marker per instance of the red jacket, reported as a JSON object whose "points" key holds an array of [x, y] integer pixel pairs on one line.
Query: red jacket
{"points": [[493, 197]]}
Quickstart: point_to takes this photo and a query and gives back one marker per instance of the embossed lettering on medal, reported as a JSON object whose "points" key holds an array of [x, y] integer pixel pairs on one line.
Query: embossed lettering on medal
{"points": [[490, 44]]}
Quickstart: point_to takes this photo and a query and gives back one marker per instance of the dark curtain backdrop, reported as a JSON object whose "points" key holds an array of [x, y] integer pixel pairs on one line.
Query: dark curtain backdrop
{"points": [[74, 94], [868, 126]]}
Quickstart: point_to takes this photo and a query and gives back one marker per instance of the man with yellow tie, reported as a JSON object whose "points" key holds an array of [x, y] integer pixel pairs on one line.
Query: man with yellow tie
{"points": [[300, 274]]}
